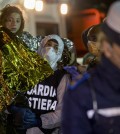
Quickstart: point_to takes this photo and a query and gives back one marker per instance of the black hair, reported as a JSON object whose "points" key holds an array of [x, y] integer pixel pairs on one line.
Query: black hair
{"points": [[84, 36], [54, 40], [93, 32]]}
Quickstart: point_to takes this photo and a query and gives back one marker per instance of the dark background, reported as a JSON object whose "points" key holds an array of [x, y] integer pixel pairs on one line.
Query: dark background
{"points": [[83, 14], [102, 5]]}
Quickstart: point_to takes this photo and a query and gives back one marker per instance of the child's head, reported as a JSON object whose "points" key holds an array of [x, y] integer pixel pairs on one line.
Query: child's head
{"points": [[93, 43], [84, 36], [12, 18]]}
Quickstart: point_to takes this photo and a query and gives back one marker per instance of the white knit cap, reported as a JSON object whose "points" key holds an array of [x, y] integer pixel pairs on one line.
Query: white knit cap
{"points": [[113, 16], [111, 25]]}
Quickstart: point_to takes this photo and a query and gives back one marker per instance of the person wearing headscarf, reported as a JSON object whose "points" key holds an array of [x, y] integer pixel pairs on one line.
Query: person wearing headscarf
{"points": [[54, 52], [46, 98]]}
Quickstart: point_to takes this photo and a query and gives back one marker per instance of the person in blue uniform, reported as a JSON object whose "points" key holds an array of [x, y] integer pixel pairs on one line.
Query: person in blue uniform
{"points": [[92, 105]]}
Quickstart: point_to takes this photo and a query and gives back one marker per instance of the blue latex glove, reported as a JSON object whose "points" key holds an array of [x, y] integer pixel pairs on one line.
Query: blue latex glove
{"points": [[73, 71], [24, 118]]}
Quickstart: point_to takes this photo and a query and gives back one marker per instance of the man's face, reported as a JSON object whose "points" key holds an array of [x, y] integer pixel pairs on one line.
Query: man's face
{"points": [[13, 22], [115, 58], [112, 53]]}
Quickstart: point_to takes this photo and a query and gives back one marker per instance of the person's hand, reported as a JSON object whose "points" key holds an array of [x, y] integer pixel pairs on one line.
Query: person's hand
{"points": [[24, 118], [73, 71]]}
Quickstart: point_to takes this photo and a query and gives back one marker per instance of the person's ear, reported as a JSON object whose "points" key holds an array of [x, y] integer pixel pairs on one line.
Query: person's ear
{"points": [[106, 48]]}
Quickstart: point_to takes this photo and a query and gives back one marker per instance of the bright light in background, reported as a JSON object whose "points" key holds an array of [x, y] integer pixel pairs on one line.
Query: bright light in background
{"points": [[39, 5], [29, 4], [64, 8]]}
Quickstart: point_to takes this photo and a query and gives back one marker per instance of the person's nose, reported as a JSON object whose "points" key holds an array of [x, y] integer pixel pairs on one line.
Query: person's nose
{"points": [[13, 23]]}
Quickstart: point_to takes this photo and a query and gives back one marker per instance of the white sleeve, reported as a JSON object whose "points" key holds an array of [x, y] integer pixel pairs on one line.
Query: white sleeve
{"points": [[53, 119]]}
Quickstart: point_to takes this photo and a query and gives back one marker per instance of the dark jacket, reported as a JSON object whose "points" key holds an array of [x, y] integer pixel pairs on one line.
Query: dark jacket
{"points": [[94, 107]]}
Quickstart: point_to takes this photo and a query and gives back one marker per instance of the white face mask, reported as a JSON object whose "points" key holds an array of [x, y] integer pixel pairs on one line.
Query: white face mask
{"points": [[50, 55]]}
